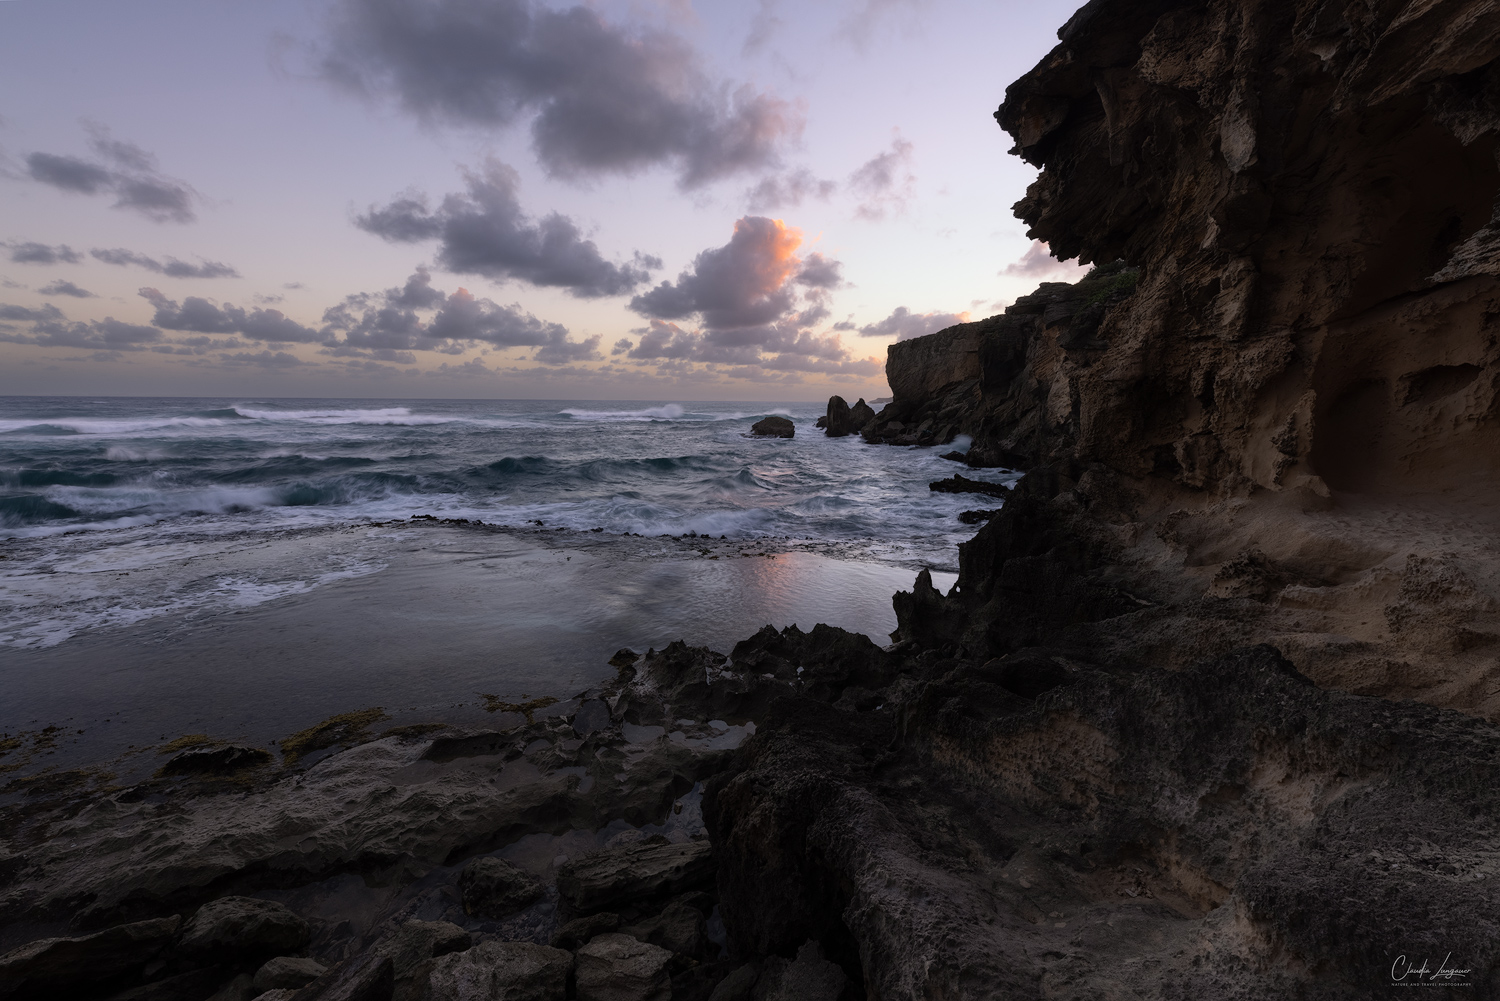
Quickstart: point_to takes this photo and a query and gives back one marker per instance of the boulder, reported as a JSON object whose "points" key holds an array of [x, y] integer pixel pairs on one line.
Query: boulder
{"points": [[243, 927], [366, 977], [494, 888], [501, 971], [680, 927], [193, 985], [578, 931], [416, 943], [592, 716], [287, 971], [634, 874], [279, 994], [615, 967], [774, 426], [738, 986], [240, 988], [54, 967], [959, 484]]}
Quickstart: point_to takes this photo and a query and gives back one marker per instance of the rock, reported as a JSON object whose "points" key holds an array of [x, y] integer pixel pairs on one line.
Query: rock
{"points": [[501, 971], [977, 517], [680, 928], [615, 967], [52, 967], [697, 983], [287, 971], [774, 426], [194, 985], [739, 985], [368, 976], [216, 761], [959, 484], [243, 927], [280, 994], [634, 875], [843, 419], [416, 943], [809, 977], [494, 888], [624, 657], [241, 988], [592, 716], [578, 931]]}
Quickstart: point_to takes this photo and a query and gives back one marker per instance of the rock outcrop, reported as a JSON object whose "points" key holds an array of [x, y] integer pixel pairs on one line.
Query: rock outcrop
{"points": [[843, 420]]}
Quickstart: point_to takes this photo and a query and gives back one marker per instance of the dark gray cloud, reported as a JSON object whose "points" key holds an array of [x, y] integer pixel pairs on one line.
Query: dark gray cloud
{"points": [[61, 287], [905, 324], [389, 321], [50, 328], [788, 190], [201, 316], [485, 232], [757, 301], [885, 181], [601, 98], [172, 267], [126, 171], [42, 253]]}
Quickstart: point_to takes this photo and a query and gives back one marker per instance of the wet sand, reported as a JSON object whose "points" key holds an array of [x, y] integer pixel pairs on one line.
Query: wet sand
{"points": [[417, 618]]}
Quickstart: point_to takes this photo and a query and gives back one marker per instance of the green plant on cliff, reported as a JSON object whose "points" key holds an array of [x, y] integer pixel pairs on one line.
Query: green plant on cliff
{"points": [[1106, 282]]}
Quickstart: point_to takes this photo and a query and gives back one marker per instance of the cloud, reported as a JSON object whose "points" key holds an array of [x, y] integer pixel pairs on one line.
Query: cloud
{"points": [[601, 98], [201, 316], [126, 171], [265, 359], [757, 301], [61, 287], [50, 328], [788, 190], [485, 232], [388, 321], [885, 181], [905, 324], [173, 268], [41, 253], [763, 25], [1038, 263]]}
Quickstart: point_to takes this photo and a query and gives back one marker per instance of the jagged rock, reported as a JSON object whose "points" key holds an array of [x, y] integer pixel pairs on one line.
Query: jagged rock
{"points": [[615, 967], [635, 874], [592, 715], [209, 761], [809, 977], [280, 994], [243, 927], [820, 663], [193, 985], [774, 426], [843, 419], [577, 932], [494, 888], [412, 949], [834, 829], [738, 985], [957, 484], [501, 971], [287, 971], [368, 976], [240, 988], [680, 927], [52, 967], [977, 517]]}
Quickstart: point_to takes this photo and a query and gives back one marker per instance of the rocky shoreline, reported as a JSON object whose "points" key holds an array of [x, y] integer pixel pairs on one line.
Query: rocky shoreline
{"points": [[1210, 712]]}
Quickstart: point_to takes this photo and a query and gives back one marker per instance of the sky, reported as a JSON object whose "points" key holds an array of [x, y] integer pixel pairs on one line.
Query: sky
{"points": [[634, 200]]}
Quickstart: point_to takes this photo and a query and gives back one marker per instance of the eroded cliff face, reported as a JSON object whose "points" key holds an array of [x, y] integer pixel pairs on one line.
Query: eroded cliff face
{"points": [[1289, 427], [1310, 192]]}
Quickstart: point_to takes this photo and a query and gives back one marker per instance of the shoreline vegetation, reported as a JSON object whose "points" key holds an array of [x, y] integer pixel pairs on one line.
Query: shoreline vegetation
{"points": [[1209, 713]]}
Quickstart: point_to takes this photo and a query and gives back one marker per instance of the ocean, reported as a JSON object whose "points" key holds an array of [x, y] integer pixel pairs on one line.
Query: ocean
{"points": [[248, 566]]}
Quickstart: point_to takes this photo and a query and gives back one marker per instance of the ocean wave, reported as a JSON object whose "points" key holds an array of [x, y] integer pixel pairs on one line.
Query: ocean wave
{"points": [[380, 415], [666, 412], [105, 425]]}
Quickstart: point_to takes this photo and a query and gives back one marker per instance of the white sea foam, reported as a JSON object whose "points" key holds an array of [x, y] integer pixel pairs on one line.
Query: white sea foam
{"points": [[666, 412], [109, 426]]}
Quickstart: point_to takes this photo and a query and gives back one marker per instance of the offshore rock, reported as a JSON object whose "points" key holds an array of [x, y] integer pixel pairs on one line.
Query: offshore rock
{"points": [[774, 426], [842, 419]]}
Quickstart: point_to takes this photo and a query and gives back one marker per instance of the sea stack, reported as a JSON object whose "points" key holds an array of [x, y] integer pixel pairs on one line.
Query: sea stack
{"points": [[843, 420]]}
